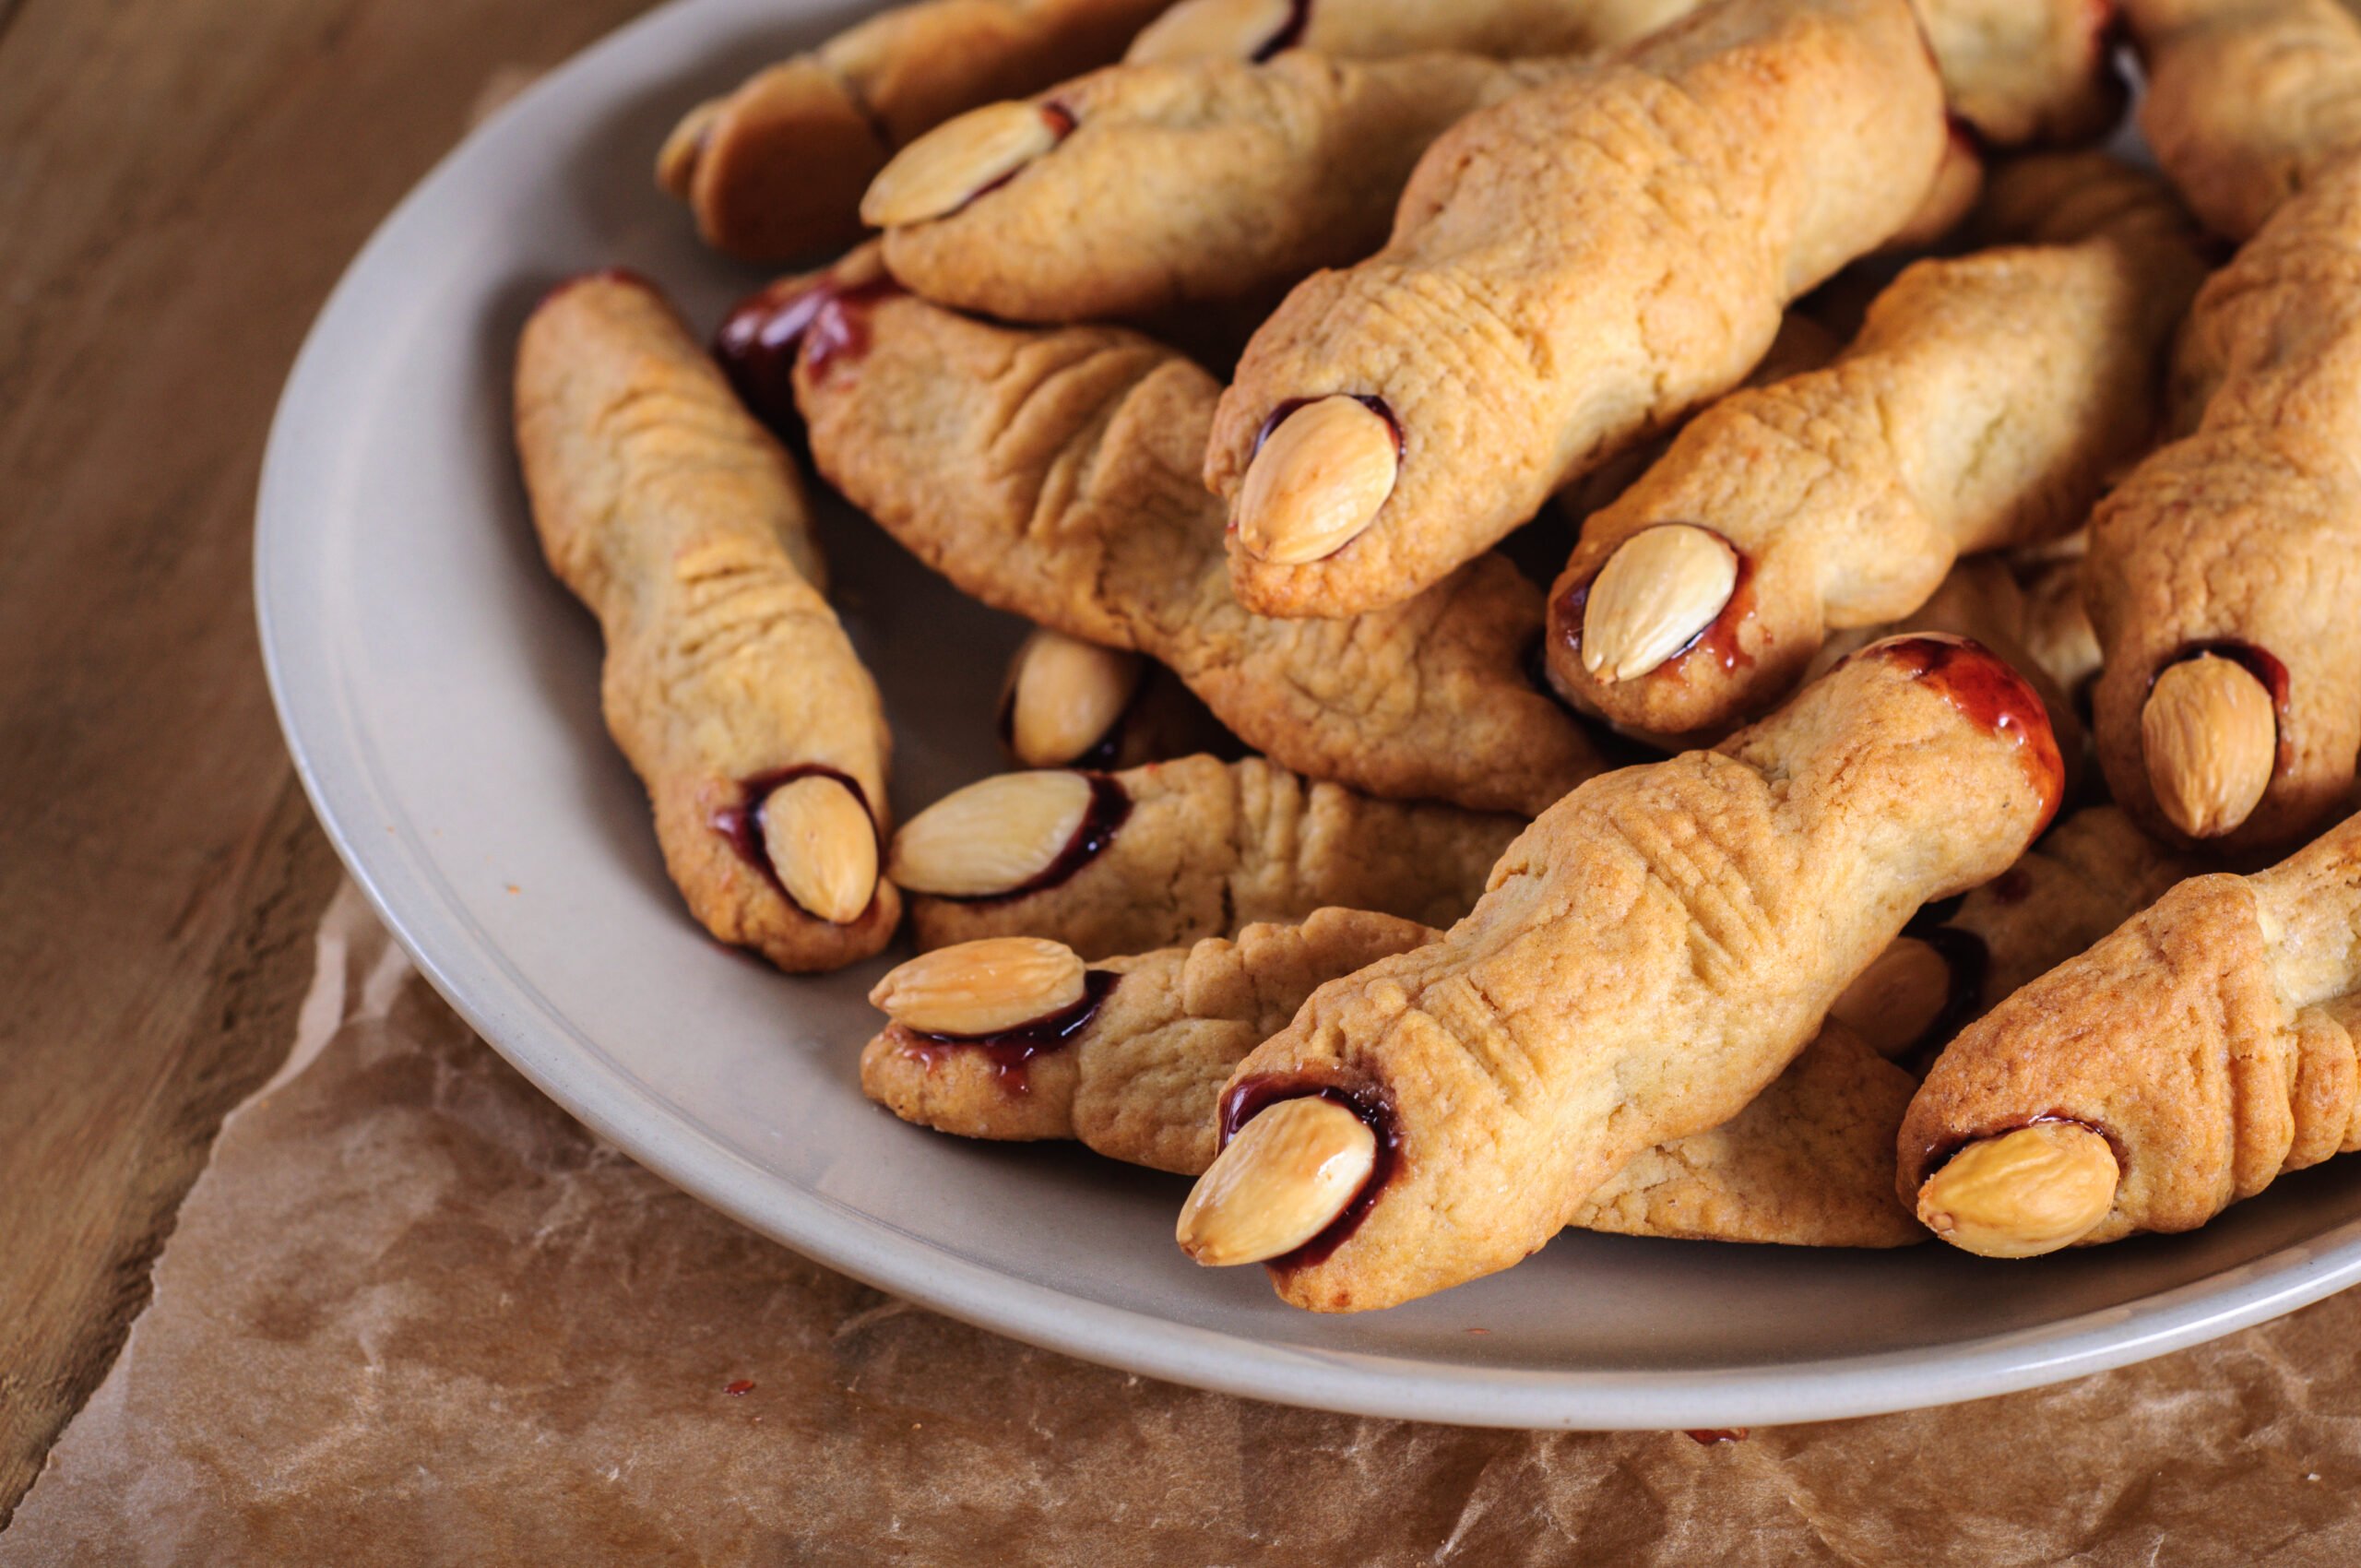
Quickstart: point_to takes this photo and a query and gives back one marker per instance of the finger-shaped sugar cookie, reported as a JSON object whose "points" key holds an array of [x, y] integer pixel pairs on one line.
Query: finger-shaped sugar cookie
{"points": [[776, 168], [729, 684], [2094, 871], [1157, 186], [2245, 98], [1123, 862], [1569, 269], [2223, 572], [1983, 405], [1371, 29], [1073, 704], [1015, 1038], [1052, 473], [2175, 1067], [1647, 956]]}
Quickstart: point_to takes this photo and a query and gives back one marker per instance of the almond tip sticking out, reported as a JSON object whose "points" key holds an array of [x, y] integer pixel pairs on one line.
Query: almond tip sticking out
{"points": [[1320, 479], [2211, 740], [992, 837], [956, 162], [1284, 1178], [2023, 1194], [1659, 591], [982, 988], [823, 845], [676, 162], [1065, 696], [1234, 29], [1896, 1000]]}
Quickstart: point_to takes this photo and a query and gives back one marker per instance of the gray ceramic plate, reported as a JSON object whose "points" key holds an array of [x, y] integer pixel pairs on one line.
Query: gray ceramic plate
{"points": [[440, 693]]}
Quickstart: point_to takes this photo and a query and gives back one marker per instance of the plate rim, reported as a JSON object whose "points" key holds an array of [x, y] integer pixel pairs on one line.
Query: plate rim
{"points": [[531, 1032]]}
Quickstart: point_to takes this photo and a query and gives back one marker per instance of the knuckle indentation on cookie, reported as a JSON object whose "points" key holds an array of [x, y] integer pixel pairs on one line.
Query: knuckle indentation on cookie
{"points": [[2210, 741], [1657, 593], [1284, 1178], [960, 160], [988, 987], [2024, 1193], [997, 836], [823, 845], [1319, 476], [1065, 696]]}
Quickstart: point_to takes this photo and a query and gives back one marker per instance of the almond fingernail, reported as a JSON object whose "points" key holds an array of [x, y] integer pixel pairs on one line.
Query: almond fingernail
{"points": [[1231, 30], [676, 163], [982, 988], [1659, 591], [1896, 1000], [2023, 1194], [1284, 1178], [958, 161], [1317, 482], [2210, 741], [992, 837], [1065, 696], [823, 845]]}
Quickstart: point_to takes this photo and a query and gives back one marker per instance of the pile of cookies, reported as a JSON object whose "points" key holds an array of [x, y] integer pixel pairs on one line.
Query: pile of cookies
{"points": [[1874, 829]]}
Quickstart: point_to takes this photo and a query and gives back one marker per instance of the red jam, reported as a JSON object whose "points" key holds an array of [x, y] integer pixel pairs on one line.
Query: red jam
{"points": [[1010, 1050], [1712, 1435], [1290, 33], [1101, 820], [823, 318], [1993, 696], [1242, 1101], [742, 822], [1716, 642]]}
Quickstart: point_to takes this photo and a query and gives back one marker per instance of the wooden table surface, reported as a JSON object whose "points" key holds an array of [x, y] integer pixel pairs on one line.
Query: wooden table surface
{"points": [[180, 183]]}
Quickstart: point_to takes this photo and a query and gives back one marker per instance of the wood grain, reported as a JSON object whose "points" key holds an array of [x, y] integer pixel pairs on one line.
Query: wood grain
{"points": [[181, 182]]}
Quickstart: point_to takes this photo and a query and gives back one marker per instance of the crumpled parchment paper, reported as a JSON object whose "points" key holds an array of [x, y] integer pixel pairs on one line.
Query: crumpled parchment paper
{"points": [[413, 1314]]}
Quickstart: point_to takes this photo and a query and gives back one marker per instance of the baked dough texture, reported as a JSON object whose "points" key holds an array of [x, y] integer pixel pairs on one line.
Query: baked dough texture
{"points": [[2210, 1039], [2247, 533], [1052, 472], [1207, 846], [1808, 1163], [2246, 98], [1649, 956], [1984, 404], [1579, 264], [776, 169], [677, 518]]}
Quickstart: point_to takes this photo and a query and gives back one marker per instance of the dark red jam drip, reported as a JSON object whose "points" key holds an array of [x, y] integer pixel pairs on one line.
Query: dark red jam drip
{"points": [[2263, 666], [1243, 1101], [1012, 1051], [1936, 1154], [1712, 1435], [1994, 697], [1101, 820], [742, 822], [1716, 641], [822, 318], [1967, 960], [1290, 31]]}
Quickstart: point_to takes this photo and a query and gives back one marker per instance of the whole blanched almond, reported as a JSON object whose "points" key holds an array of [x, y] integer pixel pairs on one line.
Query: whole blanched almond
{"points": [[1284, 1178], [1230, 30], [992, 837], [1318, 481], [1066, 694], [1659, 591], [982, 988], [949, 166], [2211, 741], [1896, 1000], [2023, 1194], [823, 845]]}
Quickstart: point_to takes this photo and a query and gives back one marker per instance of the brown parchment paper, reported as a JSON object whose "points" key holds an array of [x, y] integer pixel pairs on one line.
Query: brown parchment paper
{"points": [[413, 1314]]}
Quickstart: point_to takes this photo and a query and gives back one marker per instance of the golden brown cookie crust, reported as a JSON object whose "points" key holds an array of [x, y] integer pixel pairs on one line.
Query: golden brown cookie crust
{"points": [[679, 521], [1579, 264], [1052, 473]]}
